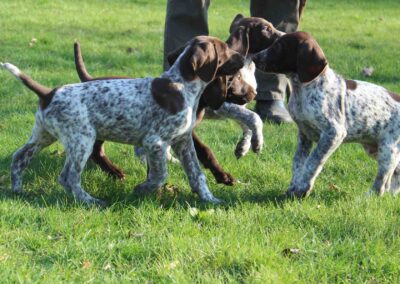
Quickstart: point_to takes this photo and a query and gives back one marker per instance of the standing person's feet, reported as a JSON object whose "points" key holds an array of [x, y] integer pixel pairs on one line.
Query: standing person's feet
{"points": [[273, 111]]}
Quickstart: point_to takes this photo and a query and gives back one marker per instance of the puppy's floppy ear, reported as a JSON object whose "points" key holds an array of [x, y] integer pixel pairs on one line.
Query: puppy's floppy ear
{"points": [[204, 61], [173, 55], [239, 40], [215, 93], [235, 22], [311, 60]]}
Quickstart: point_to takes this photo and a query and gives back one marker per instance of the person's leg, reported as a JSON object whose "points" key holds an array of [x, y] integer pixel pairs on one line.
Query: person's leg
{"points": [[272, 89], [184, 20]]}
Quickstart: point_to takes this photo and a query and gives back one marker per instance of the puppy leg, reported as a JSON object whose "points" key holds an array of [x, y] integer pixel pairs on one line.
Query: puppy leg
{"points": [[244, 144], [78, 149], [388, 159], [187, 156], [209, 161], [395, 181], [304, 146], [327, 144], [156, 153], [100, 158], [23, 156], [246, 117]]}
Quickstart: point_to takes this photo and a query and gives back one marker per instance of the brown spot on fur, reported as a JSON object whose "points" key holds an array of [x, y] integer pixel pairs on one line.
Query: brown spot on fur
{"points": [[394, 96], [167, 95], [351, 85]]}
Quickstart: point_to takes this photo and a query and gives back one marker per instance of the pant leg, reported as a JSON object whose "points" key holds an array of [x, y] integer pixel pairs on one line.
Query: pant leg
{"points": [[285, 16], [184, 20]]}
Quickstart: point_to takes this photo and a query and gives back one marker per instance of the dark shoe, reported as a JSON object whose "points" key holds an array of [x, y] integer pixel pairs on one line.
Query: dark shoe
{"points": [[273, 111]]}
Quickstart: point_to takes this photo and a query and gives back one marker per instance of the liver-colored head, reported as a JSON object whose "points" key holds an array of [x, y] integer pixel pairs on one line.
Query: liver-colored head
{"points": [[293, 53], [251, 34], [206, 58]]}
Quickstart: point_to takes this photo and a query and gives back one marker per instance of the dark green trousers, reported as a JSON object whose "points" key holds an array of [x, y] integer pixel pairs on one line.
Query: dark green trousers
{"points": [[186, 19]]}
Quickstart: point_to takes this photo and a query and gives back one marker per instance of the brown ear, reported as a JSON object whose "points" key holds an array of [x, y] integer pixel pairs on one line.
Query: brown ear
{"points": [[215, 93], [239, 41], [311, 60], [173, 55], [204, 61], [235, 22]]}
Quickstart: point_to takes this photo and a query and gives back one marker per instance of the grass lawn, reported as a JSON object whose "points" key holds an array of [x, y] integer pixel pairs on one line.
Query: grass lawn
{"points": [[340, 234]]}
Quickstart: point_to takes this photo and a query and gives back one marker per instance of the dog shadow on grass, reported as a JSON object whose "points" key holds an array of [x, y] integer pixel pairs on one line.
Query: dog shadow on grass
{"points": [[43, 190]]}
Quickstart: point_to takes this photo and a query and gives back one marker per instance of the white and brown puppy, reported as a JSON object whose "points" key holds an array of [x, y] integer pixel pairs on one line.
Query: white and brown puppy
{"points": [[149, 112], [330, 110]]}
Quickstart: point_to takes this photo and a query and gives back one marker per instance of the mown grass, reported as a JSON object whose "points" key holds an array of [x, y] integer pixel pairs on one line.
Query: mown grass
{"points": [[341, 235]]}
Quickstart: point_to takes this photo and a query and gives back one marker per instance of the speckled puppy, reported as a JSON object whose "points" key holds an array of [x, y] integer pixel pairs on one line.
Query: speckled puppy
{"points": [[150, 112], [330, 110]]}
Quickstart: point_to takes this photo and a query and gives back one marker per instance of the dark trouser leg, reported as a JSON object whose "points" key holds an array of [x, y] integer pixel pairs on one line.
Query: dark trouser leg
{"points": [[272, 89], [185, 19]]}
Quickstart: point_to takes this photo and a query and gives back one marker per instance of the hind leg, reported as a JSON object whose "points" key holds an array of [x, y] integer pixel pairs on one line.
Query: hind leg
{"points": [[78, 148], [388, 158], [394, 187], [156, 153], [23, 156], [100, 158]]}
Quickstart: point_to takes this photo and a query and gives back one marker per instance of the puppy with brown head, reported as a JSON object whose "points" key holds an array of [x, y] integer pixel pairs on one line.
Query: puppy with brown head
{"points": [[130, 111], [242, 89], [330, 110]]}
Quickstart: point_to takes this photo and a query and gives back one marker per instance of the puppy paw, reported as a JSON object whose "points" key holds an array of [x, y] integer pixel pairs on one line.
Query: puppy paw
{"points": [[144, 189], [257, 142], [242, 148], [211, 199], [298, 192], [225, 178]]}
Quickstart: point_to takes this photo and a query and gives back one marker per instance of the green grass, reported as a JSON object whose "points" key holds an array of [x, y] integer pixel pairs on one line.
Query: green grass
{"points": [[342, 236]]}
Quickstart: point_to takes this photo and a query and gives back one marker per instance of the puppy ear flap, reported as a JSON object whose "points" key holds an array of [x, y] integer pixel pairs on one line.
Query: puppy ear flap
{"points": [[235, 22], [205, 61], [173, 55], [239, 40], [311, 60], [215, 93]]}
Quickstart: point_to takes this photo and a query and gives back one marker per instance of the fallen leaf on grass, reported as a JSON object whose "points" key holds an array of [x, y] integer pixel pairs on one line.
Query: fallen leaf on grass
{"points": [[86, 264], [135, 234], [59, 153], [334, 187], [367, 71], [107, 267], [32, 42], [290, 251], [172, 265], [193, 211]]}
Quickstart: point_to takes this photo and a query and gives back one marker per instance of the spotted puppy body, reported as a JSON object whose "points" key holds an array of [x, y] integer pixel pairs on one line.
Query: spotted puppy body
{"points": [[150, 112], [330, 110]]}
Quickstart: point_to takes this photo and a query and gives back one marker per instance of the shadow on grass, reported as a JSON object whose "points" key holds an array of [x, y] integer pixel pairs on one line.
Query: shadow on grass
{"points": [[48, 165]]}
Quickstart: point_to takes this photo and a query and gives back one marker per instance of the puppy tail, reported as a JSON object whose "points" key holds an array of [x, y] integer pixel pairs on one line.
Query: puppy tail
{"points": [[40, 90], [84, 76]]}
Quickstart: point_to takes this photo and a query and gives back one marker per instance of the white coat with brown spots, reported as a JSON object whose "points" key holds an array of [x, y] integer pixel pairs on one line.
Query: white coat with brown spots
{"points": [[150, 112]]}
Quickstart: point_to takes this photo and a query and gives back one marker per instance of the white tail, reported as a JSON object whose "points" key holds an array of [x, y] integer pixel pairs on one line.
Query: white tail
{"points": [[13, 69]]}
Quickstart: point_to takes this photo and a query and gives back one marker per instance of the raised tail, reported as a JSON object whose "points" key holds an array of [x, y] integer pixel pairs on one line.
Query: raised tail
{"points": [[40, 90], [84, 76]]}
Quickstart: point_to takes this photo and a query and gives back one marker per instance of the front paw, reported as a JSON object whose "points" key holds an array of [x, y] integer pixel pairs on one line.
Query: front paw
{"points": [[208, 197], [242, 148], [225, 178], [298, 191], [145, 188], [117, 173], [257, 142]]}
